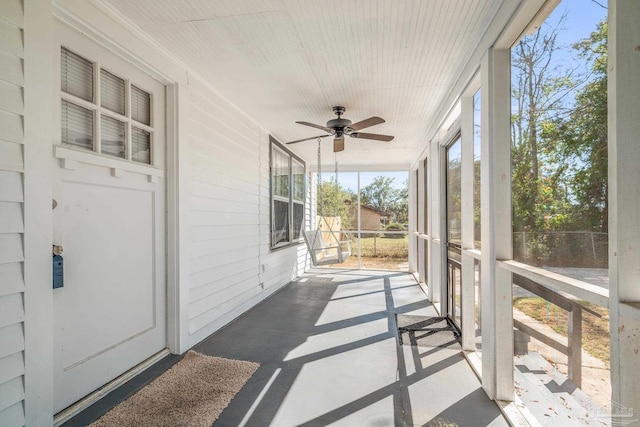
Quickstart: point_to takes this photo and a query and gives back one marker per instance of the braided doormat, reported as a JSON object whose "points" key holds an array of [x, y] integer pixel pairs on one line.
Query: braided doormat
{"points": [[192, 393], [427, 331]]}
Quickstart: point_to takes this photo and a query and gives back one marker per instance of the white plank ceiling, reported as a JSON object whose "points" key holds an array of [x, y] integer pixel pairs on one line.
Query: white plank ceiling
{"points": [[282, 61]]}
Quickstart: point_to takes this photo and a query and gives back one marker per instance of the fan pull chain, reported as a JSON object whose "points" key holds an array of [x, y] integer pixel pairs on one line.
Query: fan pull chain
{"points": [[319, 200], [319, 163]]}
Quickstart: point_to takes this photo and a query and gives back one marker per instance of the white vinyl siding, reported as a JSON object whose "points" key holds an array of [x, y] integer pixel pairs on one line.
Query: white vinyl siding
{"points": [[231, 267], [11, 212]]}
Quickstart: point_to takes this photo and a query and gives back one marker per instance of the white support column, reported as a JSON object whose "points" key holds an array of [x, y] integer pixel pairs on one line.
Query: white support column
{"points": [[466, 201], [413, 222], [38, 226], [178, 220], [359, 226], [497, 317], [420, 223], [435, 250], [624, 201], [442, 221]]}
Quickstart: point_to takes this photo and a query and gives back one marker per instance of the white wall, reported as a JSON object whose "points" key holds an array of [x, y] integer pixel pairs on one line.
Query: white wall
{"points": [[231, 267], [221, 159], [221, 231], [11, 217]]}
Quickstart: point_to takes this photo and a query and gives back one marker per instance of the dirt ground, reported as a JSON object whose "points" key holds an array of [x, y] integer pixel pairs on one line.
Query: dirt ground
{"points": [[375, 263]]}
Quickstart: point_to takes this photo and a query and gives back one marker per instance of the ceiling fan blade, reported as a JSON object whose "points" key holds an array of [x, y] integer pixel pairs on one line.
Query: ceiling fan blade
{"points": [[324, 128], [307, 139], [371, 121], [338, 144], [375, 136]]}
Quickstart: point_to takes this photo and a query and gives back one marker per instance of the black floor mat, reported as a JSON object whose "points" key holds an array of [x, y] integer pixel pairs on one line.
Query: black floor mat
{"points": [[426, 331]]}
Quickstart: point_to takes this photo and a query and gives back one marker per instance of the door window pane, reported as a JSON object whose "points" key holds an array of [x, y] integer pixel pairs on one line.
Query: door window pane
{"points": [[140, 145], [77, 125], [76, 75], [112, 92], [140, 105], [113, 137]]}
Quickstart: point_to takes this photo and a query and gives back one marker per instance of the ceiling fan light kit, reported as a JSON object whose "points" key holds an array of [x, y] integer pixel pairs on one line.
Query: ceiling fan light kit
{"points": [[340, 127]]}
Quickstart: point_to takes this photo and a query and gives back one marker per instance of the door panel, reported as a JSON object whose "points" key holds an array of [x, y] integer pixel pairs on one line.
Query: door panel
{"points": [[110, 219], [106, 229]]}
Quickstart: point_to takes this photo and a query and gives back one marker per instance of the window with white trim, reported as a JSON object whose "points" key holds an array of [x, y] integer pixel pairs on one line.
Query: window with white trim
{"points": [[287, 179], [103, 112]]}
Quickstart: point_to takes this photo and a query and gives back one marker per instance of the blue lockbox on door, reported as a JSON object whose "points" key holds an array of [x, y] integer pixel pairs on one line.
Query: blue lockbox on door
{"points": [[58, 272]]}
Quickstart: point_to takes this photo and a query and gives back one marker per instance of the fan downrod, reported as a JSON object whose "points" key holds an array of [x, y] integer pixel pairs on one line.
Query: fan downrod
{"points": [[339, 125], [339, 110]]}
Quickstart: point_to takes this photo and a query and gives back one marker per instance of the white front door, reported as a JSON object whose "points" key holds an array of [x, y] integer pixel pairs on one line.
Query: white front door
{"points": [[109, 189]]}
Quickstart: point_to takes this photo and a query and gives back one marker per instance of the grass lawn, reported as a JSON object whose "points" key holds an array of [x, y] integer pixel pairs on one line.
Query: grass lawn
{"points": [[383, 253], [595, 331], [383, 247]]}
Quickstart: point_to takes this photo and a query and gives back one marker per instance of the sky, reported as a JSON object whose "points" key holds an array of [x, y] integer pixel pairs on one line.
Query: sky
{"points": [[582, 18], [349, 180]]}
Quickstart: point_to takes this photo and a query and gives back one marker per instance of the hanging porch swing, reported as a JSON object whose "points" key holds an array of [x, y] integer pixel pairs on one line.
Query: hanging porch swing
{"points": [[326, 251]]}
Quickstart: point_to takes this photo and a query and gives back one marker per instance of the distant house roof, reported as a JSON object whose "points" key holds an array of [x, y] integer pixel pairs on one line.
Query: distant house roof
{"points": [[349, 202], [381, 213]]}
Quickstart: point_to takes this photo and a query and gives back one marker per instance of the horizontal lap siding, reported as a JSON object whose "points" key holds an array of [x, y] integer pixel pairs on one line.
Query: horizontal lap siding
{"points": [[11, 212], [231, 267]]}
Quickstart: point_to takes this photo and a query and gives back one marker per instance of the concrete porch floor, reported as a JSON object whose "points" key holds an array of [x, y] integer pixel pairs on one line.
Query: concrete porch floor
{"points": [[329, 355]]}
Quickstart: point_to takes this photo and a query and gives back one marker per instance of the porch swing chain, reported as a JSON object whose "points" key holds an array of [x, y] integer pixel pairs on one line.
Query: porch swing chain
{"points": [[319, 187], [319, 184], [319, 164], [320, 216]]}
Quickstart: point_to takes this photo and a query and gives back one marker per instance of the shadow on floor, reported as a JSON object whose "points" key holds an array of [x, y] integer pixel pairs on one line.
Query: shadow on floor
{"points": [[329, 353]]}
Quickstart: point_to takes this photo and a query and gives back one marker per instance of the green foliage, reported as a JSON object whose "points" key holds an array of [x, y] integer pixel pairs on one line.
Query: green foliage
{"points": [[382, 196], [394, 226], [334, 200], [559, 134], [454, 199]]}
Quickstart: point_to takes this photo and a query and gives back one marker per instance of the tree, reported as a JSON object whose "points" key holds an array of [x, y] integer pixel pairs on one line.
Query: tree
{"points": [[540, 89], [334, 200], [401, 209], [382, 196], [559, 152], [582, 139]]}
